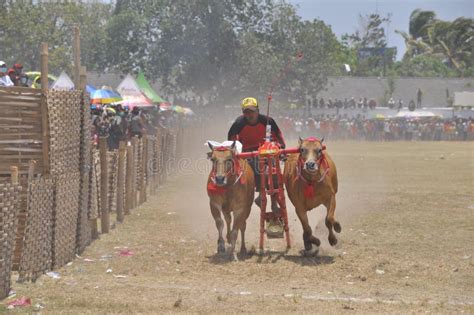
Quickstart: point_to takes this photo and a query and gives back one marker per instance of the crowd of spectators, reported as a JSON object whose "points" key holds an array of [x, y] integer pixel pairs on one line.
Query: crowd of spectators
{"points": [[378, 129]]}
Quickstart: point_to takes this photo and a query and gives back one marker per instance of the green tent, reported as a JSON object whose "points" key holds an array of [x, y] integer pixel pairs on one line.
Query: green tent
{"points": [[146, 89]]}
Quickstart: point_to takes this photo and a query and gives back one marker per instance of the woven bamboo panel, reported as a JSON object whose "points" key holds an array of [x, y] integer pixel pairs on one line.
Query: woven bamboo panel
{"points": [[84, 236], [124, 174], [21, 223], [152, 162], [138, 153], [20, 129], [178, 145], [66, 206], [36, 256], [163, 154], [158, 166], [64, 111], [174, 147], [151, 159], [112, 164], [9, 204], [94, 196], [171, 153]]}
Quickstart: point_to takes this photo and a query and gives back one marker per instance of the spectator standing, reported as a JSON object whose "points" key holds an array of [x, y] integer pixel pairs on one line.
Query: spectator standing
{"points": [[5, 79], [400, 104], [137, 126], [17, 76], [419, 95], [391, 103]]}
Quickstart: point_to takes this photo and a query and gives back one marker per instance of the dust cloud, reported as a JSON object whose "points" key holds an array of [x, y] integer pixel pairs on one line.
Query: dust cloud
{"points": [[358, 179]]}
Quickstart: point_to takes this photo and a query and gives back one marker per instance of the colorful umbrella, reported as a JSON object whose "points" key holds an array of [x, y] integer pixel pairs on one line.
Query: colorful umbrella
{"points": [[34, 79], [178, 109], [90, 89], [165, 106], [110, 109], [105, 96], [188, 111], [416, 114], [135, 101]]}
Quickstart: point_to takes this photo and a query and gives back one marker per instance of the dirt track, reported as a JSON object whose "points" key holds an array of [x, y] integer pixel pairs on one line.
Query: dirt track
{"points": [[406, 210]]}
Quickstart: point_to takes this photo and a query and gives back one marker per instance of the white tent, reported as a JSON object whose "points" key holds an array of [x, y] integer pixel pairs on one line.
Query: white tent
{"points": [[131, 93], [416, 114], [63, 83]]}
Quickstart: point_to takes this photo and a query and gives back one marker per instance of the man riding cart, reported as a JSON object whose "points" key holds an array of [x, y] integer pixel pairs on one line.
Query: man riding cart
{"points": [[250, 130]]}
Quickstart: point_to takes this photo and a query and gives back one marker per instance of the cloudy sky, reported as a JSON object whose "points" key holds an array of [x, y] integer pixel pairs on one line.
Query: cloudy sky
{"points": [[342, 15]]}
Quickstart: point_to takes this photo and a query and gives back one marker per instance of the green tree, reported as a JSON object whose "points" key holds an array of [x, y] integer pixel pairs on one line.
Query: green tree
{"points": [[423, 66], [370, 37], [318, 44], [216, 49], [449, 42], [26, 24], [420, 22]]}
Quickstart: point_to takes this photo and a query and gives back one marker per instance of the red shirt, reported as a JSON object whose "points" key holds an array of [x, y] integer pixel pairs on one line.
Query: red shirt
{"points": [[252, 136]]}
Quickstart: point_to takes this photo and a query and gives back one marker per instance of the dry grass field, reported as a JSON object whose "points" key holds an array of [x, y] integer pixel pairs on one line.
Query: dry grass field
{"points": [[407, 246]]}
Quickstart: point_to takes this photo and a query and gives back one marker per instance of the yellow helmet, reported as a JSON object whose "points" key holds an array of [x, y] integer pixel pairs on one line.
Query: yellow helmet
{"points": [[249, 103]]}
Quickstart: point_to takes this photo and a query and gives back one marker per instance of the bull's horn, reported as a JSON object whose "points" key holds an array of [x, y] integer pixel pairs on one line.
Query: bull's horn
{"points": [[233, 145], [300, 141], [210, 145], [322, 139]]}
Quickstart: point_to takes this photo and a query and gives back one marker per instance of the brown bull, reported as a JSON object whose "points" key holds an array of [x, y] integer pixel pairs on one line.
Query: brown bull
{"points": [[230, 187], [311, 180]]}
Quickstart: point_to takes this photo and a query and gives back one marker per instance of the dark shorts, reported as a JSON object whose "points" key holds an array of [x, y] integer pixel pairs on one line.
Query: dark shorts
{"points": [[253, 162]]}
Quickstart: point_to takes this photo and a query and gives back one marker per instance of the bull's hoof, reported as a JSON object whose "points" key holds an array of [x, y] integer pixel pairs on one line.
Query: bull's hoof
{"points": [[243, 252], [310, 253], [307, 245], [233, 257], [314, 240], [332, 240], [220, 247], [337, 227]]}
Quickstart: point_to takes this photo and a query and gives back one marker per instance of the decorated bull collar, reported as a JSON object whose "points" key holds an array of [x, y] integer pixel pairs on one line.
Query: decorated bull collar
{"points": [[221, 148], [322, 161], [314, 139], [213, 188]]}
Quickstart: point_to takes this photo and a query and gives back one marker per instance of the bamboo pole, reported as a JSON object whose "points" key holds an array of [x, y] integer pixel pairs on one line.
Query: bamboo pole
{"points": [[104, 186], [44, 108], [94, 229], [14, 174], [120, 181], [129, 180], [134, 174], [31, 170], [83, 78], [82, 86], [44, 68], [77, 56], [158, 159], [144, 163]]}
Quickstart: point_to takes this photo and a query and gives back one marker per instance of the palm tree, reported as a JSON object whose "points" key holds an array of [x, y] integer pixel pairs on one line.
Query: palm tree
{"points": [[457, 43], [420, 22], [450, 41], [419, 27]]}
